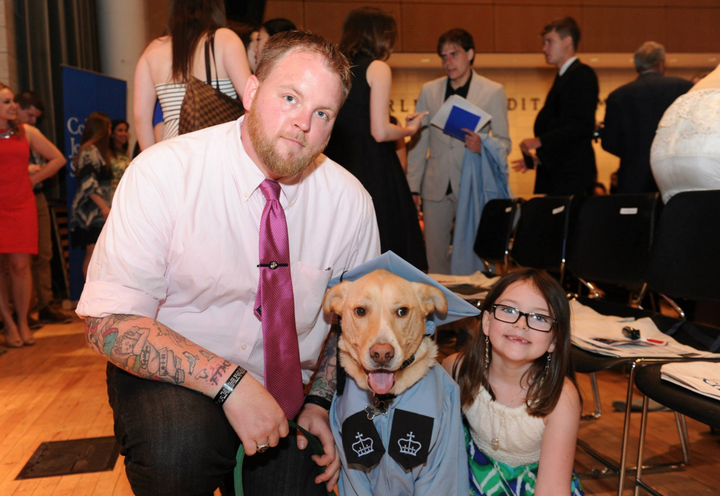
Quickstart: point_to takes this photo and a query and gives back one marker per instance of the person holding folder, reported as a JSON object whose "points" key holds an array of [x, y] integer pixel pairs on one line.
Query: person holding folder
{"points": [[436, 178]]}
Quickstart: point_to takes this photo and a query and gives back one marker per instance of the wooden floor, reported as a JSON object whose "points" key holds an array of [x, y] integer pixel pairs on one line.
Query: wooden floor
{"points": [[55, 391]]}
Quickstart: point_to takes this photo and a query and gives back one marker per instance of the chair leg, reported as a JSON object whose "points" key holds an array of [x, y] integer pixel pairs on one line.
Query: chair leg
{"points": [[626, 428], [675, 306], [641, 445], [683, 433], [640, 297], [596, 397]]}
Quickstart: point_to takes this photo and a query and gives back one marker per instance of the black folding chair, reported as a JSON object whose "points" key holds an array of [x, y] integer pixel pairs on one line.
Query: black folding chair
{"points": [[492, 243], [684, 264], [541, 235], [611, 243]]}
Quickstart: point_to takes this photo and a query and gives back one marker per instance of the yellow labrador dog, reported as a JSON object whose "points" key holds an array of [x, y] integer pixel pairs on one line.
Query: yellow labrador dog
{"points": [[383, 326], [397, 423]]}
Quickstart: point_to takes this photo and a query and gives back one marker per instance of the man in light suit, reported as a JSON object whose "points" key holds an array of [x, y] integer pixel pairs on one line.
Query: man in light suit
{"points": [[436, 178]]}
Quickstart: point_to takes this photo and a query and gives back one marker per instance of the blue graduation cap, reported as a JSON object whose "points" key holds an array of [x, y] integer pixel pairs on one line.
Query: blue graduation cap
{"points": [[457, 307]]}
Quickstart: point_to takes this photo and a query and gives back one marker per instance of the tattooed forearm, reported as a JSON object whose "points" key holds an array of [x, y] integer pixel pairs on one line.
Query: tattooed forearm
{"points": [[151, 350], [325, 382]]}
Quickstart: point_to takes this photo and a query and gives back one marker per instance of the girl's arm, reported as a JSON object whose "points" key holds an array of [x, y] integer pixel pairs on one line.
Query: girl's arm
{"points": [[43, 147], [234, 59], [144, 98], [379, 77], [558, 447]]}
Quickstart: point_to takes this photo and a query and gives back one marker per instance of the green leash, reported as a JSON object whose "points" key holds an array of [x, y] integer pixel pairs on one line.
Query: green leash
{"points": [[313, 442]]}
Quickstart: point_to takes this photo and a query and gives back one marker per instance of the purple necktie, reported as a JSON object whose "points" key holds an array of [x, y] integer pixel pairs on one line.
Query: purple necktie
{"points": [[275, 306]]}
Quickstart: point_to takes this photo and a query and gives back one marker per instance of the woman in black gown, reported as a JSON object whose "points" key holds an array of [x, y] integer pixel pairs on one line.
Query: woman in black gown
{"points": [[363, 137]]}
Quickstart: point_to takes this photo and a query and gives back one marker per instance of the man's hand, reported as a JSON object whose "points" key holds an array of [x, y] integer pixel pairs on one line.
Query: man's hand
{"points": [[255, 415], [472, 140], [519, 165], [315, 419], [414, 121], [530, 144]]}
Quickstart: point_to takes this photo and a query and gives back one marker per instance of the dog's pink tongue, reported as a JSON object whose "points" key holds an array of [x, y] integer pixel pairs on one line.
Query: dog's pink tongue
{"points": [[381, 382]]}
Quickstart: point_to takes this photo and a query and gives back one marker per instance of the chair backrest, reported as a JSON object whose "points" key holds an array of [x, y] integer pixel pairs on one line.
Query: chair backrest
{"points": [[492, 242], [685, 257], [612, 237], [541, 233]]}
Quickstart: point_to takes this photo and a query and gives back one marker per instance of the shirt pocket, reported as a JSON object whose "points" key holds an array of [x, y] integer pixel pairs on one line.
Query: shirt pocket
{"points": [[309, 286]]}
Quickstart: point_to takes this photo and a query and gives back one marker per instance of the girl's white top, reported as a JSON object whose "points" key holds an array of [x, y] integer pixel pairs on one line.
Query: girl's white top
{"points": [[520, 435]]}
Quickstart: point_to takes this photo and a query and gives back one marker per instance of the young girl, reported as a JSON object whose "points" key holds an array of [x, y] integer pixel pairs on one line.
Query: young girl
{"points": [[518, 391]]}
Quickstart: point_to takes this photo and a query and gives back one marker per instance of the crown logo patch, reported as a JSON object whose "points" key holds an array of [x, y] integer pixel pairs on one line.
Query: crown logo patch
{"points": [[408, 446], [364, 446]]}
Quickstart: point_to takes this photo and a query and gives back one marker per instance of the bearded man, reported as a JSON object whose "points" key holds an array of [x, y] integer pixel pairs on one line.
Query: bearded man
{"points": [[178, 271]]}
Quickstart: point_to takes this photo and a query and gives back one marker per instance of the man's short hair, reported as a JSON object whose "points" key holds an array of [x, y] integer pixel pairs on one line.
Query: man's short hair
{"points": [[28, 98], [282, 44], [458, 37], [564, 27], [649, 55]]}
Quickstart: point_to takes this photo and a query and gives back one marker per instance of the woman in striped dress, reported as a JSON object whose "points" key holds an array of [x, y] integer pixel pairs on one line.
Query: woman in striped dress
{"points": [[171, 60]]}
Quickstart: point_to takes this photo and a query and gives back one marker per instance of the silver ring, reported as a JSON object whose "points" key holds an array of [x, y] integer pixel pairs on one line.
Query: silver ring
{"points": [[262, 448]]}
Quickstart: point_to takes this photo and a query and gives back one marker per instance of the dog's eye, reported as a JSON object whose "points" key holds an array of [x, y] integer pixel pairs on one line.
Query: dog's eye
{"points": [[402, 312], [360, 312]]}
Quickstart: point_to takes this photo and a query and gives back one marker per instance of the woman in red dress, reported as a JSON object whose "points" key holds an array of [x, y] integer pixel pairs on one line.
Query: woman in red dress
{"points": [[18, 215]]}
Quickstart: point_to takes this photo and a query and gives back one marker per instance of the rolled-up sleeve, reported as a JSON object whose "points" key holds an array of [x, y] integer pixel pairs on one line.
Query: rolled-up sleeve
{"points": [[128, 269]]}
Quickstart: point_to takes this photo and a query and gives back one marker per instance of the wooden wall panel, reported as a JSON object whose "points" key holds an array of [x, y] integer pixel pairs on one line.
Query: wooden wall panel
{"points": [[692, 30], [423, 24], [544, 3], [692, 3], [514, 25], [288, 9], [624, 3], [517, 27], [621, 29], [327, 18]]}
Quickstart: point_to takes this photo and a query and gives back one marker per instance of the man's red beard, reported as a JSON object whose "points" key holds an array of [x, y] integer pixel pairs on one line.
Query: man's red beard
{"points": [[266, 150]]}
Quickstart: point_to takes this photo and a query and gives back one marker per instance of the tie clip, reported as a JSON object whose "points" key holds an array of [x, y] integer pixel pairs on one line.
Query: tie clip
{"points": [[273, 265]]}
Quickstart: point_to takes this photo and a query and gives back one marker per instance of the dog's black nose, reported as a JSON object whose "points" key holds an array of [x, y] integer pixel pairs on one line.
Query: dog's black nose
{"points": [[381, 353]]}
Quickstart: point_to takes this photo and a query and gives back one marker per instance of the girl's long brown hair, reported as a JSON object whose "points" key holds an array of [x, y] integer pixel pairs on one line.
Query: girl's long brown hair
{"points": [[368, 31], [96, 133], [544, 389], [189, 21]]}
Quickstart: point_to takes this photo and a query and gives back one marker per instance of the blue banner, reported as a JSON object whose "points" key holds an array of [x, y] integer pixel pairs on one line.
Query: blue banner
{"points": [[85, 92]]}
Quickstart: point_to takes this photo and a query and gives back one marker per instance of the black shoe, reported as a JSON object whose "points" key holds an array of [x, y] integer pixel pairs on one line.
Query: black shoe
{"points": [[33, 324], [49, 315]]}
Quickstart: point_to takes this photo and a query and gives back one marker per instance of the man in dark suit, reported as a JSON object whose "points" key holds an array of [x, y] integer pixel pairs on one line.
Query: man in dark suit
{"points": [[633, 113], [564, 160]]}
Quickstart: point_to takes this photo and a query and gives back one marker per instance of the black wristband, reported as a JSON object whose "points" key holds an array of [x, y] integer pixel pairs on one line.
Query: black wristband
{"points": [[317, 400], [229, 385]]}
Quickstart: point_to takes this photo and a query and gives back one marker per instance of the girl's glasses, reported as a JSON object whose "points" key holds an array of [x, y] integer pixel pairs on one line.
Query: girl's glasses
{"points": [[535, 321]]}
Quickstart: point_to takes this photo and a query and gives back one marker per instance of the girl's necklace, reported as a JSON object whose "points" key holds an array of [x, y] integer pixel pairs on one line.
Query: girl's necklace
{"points": [[6, 134], [496, 440]]}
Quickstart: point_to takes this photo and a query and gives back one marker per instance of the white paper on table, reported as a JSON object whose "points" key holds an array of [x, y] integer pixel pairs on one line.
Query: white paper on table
{"points": [[441, 117], [587, 325], [700, 377]]}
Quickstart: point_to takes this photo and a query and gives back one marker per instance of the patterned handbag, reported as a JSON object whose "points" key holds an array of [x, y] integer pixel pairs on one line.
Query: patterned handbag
{"points": [[205, 105]]}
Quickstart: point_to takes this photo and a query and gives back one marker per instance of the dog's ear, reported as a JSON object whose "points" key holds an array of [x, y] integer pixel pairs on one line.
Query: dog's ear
{"points": [[431, 298], [335, 298]]}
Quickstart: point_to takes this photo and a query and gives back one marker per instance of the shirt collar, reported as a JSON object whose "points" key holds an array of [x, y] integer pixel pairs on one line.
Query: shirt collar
{"points": [[250, 177], [567, 64], [461, 91]]}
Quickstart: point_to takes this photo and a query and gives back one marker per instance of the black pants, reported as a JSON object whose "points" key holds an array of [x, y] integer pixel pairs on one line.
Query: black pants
{"points": [[178, 442]]}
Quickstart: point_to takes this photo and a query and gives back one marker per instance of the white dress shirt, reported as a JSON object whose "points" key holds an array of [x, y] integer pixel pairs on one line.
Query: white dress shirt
{"points": [[182, 240], [567, 64]]}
